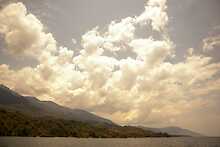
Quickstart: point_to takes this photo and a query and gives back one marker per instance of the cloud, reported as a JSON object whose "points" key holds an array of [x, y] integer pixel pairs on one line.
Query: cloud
{"points": [[74, 41], [211, 43], [155, 12], [190, 51], [151, 51], [23, 32], [92, 41], [147, 89], [122, 31]]}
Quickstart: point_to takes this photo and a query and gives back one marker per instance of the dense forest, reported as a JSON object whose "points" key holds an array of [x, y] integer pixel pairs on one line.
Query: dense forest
{"points": [[13, 123]]}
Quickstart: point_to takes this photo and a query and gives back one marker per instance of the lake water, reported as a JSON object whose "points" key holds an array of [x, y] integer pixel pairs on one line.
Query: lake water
{"points": [[131, 142]]}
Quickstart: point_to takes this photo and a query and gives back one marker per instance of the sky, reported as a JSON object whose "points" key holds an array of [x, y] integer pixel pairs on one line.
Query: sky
{"points": [[154, 63]]}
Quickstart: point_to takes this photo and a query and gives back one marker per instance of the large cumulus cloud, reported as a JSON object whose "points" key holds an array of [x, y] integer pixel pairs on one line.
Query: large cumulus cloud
{"points": [[23, 32]]}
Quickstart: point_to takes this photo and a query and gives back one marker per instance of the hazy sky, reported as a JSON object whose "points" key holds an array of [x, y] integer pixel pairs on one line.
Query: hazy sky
{"points": [[152, 63]]}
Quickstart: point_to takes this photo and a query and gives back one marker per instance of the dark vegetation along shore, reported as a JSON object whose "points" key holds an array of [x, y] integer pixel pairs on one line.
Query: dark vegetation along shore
{"points": [[17, 124], [27, 116]]}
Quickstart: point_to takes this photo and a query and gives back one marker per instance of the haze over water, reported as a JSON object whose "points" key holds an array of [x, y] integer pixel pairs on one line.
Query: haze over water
{"points": [[131, 142]]}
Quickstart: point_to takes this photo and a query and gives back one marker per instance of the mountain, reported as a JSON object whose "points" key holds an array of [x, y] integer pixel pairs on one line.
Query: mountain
{"points": [[8, 96], [36, 108], [28, 116], [173, 131], [17, 124]]}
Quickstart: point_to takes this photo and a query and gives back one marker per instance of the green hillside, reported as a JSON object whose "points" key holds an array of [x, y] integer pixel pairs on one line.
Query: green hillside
{"points": [[17, 124]]}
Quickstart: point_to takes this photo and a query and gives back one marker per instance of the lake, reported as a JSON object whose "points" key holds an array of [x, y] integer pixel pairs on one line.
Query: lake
{"points": [[130, 142]]}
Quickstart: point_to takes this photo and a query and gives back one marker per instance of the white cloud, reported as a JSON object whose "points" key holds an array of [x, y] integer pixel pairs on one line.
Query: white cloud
{"points": [[74, 41], [151, 51], [122, 31], [65, 55], [211, 43], [190, 51], [92, 42], [155, 12], [23, 32]]}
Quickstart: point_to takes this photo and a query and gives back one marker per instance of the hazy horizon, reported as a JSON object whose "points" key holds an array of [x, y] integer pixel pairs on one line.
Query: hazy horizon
{"points": [[154, 63]]}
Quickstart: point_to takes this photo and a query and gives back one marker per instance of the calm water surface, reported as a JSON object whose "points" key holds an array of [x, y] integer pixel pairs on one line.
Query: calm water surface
{"points": [[74, 142]]}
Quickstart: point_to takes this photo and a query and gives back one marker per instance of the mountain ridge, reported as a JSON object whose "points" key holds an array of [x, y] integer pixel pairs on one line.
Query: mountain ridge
{"points": [[28, 116], [173, 130], [34, 107]]}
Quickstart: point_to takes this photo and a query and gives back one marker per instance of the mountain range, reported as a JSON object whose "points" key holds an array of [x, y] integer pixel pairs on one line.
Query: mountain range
{"points": [[174, 131], [28, 116], [34, 107]]}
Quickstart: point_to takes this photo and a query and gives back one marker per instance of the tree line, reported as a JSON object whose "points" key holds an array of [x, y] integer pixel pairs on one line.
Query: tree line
{"points": [[13, 123]]}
